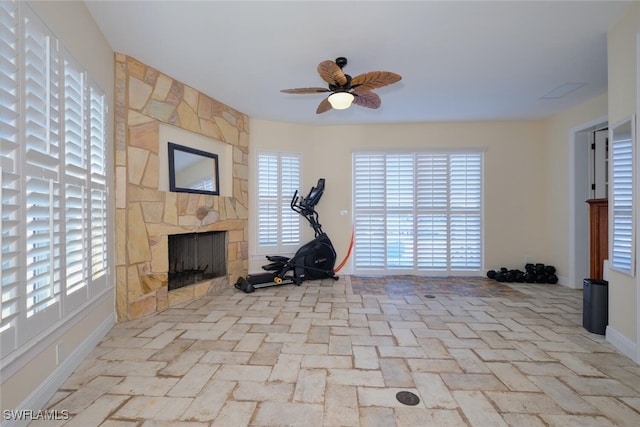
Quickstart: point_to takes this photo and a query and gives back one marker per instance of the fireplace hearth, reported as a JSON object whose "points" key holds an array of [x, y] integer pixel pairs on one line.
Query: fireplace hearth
{"points": [[195, 257]]}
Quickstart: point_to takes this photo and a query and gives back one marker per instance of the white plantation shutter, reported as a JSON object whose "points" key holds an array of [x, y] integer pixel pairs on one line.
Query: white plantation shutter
{"points": [[98, 209], [41, 179], [289, 183], [622, 177], [53, 181], [432, 212], [418, 212], [10, 187], [278, 226], [465, 193], [400, 205], [369, 213], [76, 174]]}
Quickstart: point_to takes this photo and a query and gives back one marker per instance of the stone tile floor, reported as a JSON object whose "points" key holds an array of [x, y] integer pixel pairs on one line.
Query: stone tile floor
{"points": [[475, 352]]}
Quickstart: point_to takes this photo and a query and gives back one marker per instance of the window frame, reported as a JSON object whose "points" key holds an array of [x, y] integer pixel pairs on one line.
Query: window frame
{"points": [[622, 197], [280, 201], [418, 256], [46, 176]]}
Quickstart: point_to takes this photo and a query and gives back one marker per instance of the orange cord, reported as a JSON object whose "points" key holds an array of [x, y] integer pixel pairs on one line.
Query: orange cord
{"points": [[344, 261]]}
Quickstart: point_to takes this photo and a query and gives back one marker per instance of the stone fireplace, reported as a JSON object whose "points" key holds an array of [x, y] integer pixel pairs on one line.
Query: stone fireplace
{"points": [[147, 101], [196, 257]]}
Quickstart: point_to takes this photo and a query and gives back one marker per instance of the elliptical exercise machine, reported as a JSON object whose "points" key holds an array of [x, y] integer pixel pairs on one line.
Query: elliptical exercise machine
{"points": [[314, 260]]}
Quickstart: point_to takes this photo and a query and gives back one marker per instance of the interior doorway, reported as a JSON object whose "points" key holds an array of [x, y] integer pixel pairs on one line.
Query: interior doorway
{"points": [[588, 172]]}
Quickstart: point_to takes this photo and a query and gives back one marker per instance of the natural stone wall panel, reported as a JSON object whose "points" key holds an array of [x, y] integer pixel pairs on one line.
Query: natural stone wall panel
{"points": [[238, 155], [121, 237], [152, 211], [150, 176], [232, 119], [241, 171], [135, 68], [144, 269], [162, 87], [121, 293], [137, 239], [201, 212], [142, 194], [159, 251], [135, 118], [244, 247], [241, 211], [229, 132], [234, 236], [211, 218], [145, 216], [181, 295], [151, 282], [162, 298], [183, 203], [121, 187], [188, 221], [145, 135], [142, 307], [205, 107], [210, 129], [134, 288], [201, 289], [191, 97], [151, 76], [137, 164], [232, 252], [139, 93], [162, 111], [188, 118], [175, 94], [193, 202], [165, 229], [171, 208], [244, 139]]}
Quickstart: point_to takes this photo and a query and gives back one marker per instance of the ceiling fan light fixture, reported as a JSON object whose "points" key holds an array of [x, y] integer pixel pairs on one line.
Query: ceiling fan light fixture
{"points": [[341, 100]]}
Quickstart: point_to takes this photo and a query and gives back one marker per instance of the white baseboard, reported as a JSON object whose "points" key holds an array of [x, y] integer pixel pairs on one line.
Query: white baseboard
{"points": [[43, 393], [623, 344]]}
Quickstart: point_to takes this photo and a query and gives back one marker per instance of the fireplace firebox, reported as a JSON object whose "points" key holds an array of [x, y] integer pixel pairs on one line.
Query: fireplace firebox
{"points": [[195, 257]]}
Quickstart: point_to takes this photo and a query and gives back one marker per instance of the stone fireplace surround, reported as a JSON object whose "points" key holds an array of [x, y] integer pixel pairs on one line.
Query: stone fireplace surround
{"points": [[145, 215]]}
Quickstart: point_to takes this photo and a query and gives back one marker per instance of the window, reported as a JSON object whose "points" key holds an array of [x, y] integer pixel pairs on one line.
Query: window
{"points": [[278, 227], [53, 180], [417, 212], [622, 241]]}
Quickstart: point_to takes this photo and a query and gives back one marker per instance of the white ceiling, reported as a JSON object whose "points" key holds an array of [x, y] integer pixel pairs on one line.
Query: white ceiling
{"points": [[473, 60]]}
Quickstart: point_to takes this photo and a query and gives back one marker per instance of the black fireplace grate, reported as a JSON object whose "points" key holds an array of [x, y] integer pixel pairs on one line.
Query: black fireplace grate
{"points": [[194, 257]]}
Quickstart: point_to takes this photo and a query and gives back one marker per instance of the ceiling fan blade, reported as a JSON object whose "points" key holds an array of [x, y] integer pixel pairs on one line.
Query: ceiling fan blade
{"points": [[374, 80], [366, 99], [306, 90], [324, 106], [331, 73]]}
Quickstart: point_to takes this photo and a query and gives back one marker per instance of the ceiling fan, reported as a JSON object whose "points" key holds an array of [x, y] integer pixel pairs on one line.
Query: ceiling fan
{"points": [[346, 90]]}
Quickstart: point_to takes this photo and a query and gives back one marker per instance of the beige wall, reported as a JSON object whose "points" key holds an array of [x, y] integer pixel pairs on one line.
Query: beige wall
{"points": [[558, 199], [515, 176], [71, 23], [623, 101]]}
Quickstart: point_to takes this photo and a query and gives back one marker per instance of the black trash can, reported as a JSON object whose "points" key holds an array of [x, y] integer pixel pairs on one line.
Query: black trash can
{"points": [[595, 305]]}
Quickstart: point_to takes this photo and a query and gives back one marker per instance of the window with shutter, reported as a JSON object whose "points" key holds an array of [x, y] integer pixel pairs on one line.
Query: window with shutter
{"points": [[417, 212], [53, 181], [278, 226], [622, 209], [10, 187]]}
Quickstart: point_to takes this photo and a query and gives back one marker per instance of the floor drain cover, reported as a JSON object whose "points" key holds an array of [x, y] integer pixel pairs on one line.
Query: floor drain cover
{"points": [[407, 398], [429, 296]]}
